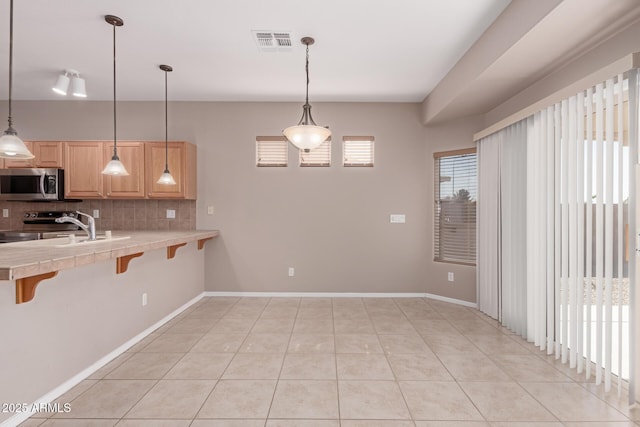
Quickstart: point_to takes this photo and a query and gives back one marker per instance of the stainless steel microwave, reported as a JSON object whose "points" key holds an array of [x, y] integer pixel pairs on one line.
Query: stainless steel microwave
{"points": [[37, 184]]}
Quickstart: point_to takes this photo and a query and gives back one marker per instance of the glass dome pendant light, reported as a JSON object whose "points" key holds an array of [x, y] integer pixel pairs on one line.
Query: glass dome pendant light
{"points": [[306, 135], [115, 166], [166, 178], [11, 146]]}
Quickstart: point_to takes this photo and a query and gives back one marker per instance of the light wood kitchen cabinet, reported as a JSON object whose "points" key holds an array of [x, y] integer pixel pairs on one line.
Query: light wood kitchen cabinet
{"points": [[83, 173], [145, 161], [182, 165], [21, 163], [48, 154], [131, 155], [85, 161]]}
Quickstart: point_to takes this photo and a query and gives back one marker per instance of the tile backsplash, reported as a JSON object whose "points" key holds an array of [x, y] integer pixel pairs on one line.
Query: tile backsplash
{"points": [[114, 214]]}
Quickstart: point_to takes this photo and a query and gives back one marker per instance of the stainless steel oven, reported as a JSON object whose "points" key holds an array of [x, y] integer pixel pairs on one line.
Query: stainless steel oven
{"points": [[37, 184]]}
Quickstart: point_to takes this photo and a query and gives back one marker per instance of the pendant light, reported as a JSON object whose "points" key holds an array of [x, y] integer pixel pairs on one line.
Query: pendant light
{"points": [[11, 146], [306, 135], [115, 166], [166, 178]]}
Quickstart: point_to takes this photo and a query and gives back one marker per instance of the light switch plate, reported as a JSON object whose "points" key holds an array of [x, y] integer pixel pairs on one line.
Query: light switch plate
{"points": [[209, 210], [5, 213], [96, 213], [171, 213], [397, 218]]}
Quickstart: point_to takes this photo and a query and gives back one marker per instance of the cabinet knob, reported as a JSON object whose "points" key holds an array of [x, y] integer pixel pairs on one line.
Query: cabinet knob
{"points": [[108, 194]]}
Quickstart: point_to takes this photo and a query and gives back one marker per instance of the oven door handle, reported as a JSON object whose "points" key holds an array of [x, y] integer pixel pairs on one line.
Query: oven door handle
{"points": [[42, 177]]}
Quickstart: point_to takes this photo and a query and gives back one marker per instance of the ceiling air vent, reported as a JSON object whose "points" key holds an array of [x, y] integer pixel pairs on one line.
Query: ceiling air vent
{"points": [[273, 41]]}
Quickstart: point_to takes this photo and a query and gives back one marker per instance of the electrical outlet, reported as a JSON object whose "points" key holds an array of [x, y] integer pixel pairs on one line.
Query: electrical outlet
{"points": [[171, 213], [450, 276], [96, 213], [144, 299], [209, 210], [291, 272], [5, 213], [397, 218]]}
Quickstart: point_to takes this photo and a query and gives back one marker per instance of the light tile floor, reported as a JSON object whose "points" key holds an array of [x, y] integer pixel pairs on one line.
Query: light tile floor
{"points": [[350, 362]]}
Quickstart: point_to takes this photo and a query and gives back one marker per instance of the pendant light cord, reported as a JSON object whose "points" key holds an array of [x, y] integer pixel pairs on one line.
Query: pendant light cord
{"points": [[307, 70], [10, 120], [115, 148], [166, 125]]}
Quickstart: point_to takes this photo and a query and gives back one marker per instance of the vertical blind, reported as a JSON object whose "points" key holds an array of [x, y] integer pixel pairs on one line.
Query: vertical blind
{"points": [[272, 151], [357, 151], [455, 193], [579, 160], [580, 199]]}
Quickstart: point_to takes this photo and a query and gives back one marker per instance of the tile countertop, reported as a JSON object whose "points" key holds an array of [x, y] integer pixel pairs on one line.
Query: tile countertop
{"points": [[25, 259]]}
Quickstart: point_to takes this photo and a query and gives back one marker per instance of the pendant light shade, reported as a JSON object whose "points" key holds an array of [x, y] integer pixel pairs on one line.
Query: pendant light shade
{"points": [[115, 166], [10, 145], [306, 135], [166, 178]]}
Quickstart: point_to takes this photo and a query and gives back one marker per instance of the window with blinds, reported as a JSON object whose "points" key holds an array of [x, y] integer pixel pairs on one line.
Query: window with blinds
{"points": [[357, 151], [319, 157], [455, 191], [272, 151]]}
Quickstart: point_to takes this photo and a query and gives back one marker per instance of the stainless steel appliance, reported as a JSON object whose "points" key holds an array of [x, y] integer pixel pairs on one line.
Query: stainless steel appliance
{"points": [[40, 225], [37, 184]]}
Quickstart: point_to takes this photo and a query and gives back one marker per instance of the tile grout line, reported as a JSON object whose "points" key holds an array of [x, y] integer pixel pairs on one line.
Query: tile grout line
{"points": [[195, 417]]}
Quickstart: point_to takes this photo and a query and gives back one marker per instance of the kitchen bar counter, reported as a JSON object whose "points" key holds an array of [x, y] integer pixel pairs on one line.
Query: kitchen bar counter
{"points": [[40, 257]]}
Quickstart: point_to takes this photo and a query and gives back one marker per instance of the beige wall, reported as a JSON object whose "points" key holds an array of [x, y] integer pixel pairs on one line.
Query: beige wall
{"points": [[85, 313], [443, 137], [330, 224]]}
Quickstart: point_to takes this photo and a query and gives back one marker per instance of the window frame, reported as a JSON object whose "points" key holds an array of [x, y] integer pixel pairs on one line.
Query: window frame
{"points": [[437, 210], [274, 141], [317, 164], [346, 140]]}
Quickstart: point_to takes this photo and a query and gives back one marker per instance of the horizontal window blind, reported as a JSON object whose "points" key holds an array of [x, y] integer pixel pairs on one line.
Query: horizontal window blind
{"points": [[318, 157], [357, 151], [455, 190], [272, 151]]}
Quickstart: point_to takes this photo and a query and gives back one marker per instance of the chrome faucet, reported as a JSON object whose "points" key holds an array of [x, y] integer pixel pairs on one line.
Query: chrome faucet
{"points": [[90, 228]]}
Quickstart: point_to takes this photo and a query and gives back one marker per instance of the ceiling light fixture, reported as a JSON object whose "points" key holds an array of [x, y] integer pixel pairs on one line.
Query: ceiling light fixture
{"points": [[306, 135], [115, 166], [10, 145], [166, 178], [78, 87]]}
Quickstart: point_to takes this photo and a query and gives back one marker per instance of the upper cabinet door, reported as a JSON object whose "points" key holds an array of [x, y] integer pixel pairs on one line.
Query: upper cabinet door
{"points": [[182, 165], [23, 163], [49, 154], [131, 155], [83, 173]]}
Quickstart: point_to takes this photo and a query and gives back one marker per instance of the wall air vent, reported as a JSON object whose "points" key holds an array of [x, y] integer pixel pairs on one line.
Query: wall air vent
{"points": [[273, 41]]}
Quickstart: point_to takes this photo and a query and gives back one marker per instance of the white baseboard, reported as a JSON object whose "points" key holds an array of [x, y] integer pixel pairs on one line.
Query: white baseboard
{"points": [[339, 295], [451, 300], [76, 379]]}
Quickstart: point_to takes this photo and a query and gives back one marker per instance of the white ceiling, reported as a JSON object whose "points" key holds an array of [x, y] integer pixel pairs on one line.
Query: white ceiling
{"points": [[366, 50]]}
